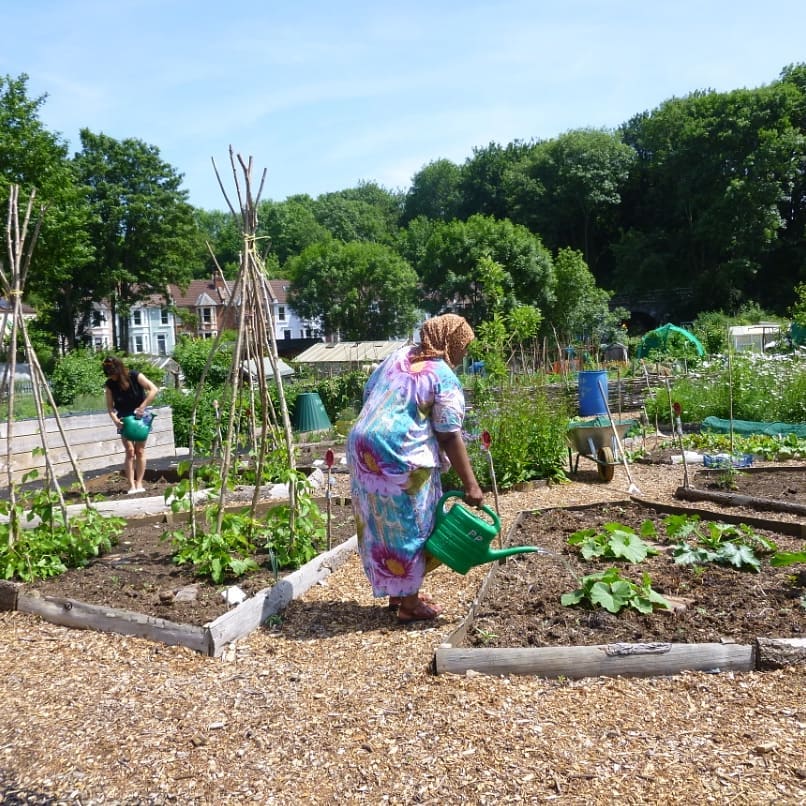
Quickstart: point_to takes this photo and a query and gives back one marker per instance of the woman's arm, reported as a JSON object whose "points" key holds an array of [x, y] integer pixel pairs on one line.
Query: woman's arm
{"points": [[452, 443], [110, 407], [151, 393]]}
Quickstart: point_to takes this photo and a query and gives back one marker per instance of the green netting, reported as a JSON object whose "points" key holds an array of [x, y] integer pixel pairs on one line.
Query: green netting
{"points": [[657, 339], [719, 426]]}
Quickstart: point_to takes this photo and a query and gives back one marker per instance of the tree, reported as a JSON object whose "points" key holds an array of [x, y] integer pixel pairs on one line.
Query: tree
{"points": [[36, 159], [350, 218], [578, 179], [361, 290], [221, 231], [435, 192], [581, 310], [715, 186], [142, 230], [451, 267], [485, 179], [289, 226]]}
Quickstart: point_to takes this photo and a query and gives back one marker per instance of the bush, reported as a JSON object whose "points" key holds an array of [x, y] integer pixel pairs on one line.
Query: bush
{"points": [[527, 432]]}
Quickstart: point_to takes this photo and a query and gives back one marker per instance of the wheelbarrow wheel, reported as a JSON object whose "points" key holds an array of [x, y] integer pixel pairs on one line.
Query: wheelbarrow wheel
{"points": [[606, 463]]}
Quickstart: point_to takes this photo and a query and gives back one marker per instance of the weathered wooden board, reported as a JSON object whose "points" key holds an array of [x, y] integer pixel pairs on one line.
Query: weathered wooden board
{"points": [[609, 660], [92, 439], [249, 615], [775, 653], [71, 613]]}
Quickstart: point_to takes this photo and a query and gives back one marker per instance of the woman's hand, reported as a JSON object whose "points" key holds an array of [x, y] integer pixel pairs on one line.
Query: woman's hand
{"points": [[474, 495]]}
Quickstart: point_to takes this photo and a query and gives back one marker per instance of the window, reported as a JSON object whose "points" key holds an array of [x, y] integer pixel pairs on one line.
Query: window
{"points": [[137, 318], [286, 334], [139, 344], [99, 345], [207, 316], [98, 318], [209, 335], [281, 313], [309, 333], [164, 316], [162, 344]]}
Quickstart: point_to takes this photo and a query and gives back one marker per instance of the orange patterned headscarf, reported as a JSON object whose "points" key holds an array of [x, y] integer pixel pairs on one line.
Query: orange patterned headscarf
{"points": [[445, 337]]}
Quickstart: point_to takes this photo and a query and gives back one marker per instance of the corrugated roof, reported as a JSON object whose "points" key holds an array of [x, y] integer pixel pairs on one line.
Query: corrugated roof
{"points": [[346, 352]]}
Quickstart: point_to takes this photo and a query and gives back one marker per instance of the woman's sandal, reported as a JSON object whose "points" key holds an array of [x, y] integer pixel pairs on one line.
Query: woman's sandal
{"points": [[421, 612], [394, 601]]}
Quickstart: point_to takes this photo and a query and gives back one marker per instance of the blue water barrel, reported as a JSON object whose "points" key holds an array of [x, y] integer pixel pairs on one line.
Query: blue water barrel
{"points": [[592, 385]]}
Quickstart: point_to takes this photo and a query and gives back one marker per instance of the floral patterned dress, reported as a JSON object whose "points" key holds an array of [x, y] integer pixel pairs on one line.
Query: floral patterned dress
{"points": [[394, 461]]}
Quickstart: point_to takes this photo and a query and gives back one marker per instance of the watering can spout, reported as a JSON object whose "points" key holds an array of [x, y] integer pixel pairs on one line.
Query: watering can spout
{"points": [[501, 554], [461, 539]]}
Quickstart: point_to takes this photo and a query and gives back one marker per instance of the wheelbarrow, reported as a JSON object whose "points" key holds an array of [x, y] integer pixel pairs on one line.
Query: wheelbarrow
{"points": [[594, 439]]}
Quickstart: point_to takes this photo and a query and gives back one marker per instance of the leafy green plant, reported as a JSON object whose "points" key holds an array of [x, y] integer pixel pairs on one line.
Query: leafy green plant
{"points": [[293, 537], [54, 544], [217, 555], [527, 432], [720, 543], [615, 542], [783, 558], [608, 589]]}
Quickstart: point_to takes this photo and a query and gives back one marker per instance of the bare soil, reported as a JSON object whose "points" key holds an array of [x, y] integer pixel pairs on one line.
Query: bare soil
{"points": [[711, 603]]}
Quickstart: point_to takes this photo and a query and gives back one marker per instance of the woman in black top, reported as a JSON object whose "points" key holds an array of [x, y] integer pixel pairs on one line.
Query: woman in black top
{"points": [[128, 392]]}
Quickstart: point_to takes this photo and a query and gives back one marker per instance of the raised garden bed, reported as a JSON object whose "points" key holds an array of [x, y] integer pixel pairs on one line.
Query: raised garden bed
{"points": [[137, 589], [722, 619]]}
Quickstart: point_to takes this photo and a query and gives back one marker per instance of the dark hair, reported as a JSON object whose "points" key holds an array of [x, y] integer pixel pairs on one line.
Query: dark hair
{"points": [[112, 365]]}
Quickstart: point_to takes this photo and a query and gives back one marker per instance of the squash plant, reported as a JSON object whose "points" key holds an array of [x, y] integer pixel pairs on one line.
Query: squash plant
{"points": [[610, 590]]}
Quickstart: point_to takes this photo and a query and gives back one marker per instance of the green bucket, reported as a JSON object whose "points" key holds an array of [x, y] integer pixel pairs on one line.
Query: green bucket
{"points": [[461, 539]]}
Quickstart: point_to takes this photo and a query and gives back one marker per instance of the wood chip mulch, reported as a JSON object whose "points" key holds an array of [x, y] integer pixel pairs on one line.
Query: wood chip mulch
{"points": [[337, 705]]}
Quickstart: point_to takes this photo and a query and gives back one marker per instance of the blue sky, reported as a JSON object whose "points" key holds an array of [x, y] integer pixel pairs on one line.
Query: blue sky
{"points": [[324, 95]]}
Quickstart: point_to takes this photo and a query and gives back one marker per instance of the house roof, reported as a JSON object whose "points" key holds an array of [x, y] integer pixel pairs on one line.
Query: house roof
{"points": [[197, 289], [347, 352]]}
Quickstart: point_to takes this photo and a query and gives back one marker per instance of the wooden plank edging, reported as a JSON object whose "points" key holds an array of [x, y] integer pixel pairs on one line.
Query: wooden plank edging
{"points": [[71, 613]]}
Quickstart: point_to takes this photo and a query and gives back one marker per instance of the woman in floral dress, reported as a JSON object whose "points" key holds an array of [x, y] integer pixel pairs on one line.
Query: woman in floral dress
{"points": [[410, 422]]}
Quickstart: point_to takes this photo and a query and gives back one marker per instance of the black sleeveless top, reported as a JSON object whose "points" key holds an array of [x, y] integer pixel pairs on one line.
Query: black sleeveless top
{"points": [[126, 400]]}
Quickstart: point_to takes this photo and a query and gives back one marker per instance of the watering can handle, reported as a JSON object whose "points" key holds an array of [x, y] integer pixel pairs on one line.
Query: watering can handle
{"points": [[459, 494]]}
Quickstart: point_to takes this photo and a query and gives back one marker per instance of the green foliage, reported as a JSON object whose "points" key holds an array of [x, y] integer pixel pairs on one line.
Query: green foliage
{"points": [[293, 537], [339, 392], [770, 448], [76, 373], [452, 266], [142, 231], [363, 290], [711, 328], [782, 558], [218, 555], [608, 589], [527, 432], [192, 354], [55, 544], [763, 391], [615, 542], [720, 543], [798, 309]]}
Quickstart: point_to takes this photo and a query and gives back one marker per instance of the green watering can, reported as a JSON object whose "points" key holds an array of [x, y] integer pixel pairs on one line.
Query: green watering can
{"points": [[461, 539], [135, 429]]}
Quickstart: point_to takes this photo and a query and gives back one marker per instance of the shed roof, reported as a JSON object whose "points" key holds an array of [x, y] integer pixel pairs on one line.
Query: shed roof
{"points": [[346, 352]]}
